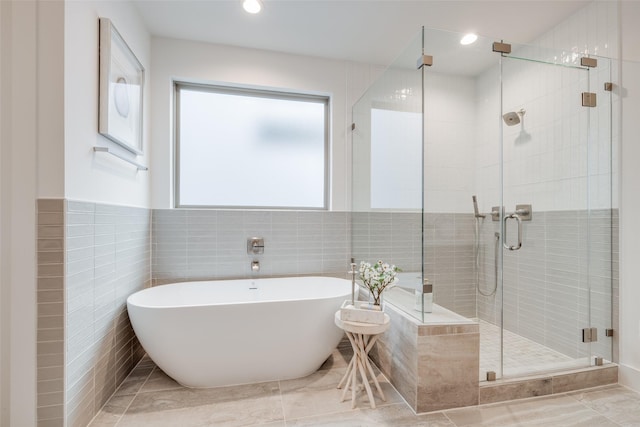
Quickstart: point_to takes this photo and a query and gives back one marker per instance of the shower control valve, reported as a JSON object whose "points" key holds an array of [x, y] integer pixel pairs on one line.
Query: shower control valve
{"points": [[255, 245]]}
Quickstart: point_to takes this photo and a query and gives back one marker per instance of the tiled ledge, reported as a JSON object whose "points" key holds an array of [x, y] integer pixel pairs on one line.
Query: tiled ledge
{"points": [[542, 385], [433, 366]]}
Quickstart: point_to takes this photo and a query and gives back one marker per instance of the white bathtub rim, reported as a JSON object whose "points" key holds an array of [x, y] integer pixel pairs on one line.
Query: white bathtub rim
{"points": [[137, 299]]}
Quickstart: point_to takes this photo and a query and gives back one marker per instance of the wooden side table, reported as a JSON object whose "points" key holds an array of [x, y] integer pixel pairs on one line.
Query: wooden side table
{"points": [[362, 337]]}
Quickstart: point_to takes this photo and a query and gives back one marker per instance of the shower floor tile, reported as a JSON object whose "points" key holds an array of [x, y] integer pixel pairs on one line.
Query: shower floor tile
{"points": [[521, 355]]}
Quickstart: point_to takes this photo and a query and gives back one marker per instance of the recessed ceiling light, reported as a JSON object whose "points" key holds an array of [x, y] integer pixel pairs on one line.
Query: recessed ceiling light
{"points": [[468, 39], [252, 6]]}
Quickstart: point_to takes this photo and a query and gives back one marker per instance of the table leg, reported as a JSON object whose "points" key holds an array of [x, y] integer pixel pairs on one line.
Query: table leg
{"points": [[375, 380], [360, 364], [362, 360], [346, 386], [350, 369], [354, 383], [346, 374]]}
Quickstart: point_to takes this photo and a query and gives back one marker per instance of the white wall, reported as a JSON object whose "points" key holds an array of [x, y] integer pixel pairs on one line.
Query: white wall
{"points": [[19, 135], [90, 176], [629, 336], [51, 99], [201, 62]]}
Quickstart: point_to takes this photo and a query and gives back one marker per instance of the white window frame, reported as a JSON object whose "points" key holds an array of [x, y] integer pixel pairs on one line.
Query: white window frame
{"points": [[265, 93]]}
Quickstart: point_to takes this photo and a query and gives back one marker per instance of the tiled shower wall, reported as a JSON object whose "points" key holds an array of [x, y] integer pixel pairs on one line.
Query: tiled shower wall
{"points": [[448, 251], [196, 244], [91, 258], [547, 282]]}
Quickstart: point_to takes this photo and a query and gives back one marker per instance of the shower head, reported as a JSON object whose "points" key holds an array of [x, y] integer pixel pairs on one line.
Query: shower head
{"points": [[513, 118]]}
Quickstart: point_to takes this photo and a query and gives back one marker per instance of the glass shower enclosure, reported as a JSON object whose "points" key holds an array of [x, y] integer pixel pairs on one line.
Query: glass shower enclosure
{"points": [[487, 169]]}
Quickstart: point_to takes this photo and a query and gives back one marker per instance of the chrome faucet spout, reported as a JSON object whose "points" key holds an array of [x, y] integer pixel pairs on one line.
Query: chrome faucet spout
{"points": [[255, 266]]}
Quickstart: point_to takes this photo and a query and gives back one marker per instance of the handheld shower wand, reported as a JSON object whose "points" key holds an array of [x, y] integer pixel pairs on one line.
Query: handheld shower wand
{"points": [[476, 251], [475, 208]]}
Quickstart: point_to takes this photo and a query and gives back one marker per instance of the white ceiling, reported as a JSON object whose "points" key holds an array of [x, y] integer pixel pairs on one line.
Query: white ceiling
{"points": [[370, 31]]}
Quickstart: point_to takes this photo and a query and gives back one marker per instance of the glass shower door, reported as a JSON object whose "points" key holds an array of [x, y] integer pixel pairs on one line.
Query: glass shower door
{"points": [[548, 213]]}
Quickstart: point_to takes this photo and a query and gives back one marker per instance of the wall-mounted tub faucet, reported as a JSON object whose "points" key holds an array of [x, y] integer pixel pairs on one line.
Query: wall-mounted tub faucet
{"points": [[255, 266], [255, 245]]}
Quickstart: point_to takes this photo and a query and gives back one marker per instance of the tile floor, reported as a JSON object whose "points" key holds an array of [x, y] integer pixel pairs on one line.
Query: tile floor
{"points": [[150, 398], [521, 355]]}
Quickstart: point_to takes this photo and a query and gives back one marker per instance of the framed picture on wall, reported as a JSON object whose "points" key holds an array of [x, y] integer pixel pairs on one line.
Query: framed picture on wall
{"points": [[121, 90]]}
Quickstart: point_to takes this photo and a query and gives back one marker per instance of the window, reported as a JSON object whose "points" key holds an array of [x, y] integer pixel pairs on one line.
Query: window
{"points": [[250, 149]]}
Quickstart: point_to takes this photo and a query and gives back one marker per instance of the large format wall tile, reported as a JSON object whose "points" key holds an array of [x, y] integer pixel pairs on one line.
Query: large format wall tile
{"points": [[448, 365], [432, 366]]}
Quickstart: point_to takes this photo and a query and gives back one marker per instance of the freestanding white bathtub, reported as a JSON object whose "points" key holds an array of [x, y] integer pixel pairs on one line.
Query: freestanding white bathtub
{"points": [[217, 333]]}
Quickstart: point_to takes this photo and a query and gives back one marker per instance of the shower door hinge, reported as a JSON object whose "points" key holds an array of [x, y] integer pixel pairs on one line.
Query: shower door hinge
{"points": [[424, 60], [608, 86], [590, 335], [353, 126], [501, 47], [588, 62], [608, 332], [588, 99]]}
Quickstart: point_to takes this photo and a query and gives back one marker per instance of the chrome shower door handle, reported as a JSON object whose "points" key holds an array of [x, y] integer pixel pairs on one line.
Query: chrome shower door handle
{"points": [[504, 232]]}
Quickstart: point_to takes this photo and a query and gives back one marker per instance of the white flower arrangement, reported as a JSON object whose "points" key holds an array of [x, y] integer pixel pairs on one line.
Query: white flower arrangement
{"points": [[378, 277]]}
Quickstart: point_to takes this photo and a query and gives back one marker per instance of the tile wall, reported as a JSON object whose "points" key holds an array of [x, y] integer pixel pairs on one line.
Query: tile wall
{"points": [[395, 238], [197, 244], [101, 253], [448, 251], [433, 366], [547, 282], [51, 319]]}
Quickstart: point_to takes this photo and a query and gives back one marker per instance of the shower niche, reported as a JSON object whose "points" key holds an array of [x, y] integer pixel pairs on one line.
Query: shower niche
{"points": [[486, 172]]}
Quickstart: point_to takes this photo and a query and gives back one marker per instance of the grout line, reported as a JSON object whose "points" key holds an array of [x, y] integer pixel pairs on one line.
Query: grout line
{"points": [[284, 418], [136, 394], [450, 420]]}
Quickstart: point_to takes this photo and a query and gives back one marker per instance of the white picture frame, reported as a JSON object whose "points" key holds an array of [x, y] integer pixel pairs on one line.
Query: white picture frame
{"points": [[121, 90]]}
